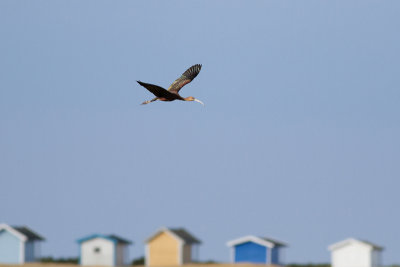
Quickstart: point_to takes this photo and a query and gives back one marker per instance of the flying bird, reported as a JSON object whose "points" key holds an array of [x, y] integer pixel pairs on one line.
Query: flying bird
{"points": [[172, 93]]}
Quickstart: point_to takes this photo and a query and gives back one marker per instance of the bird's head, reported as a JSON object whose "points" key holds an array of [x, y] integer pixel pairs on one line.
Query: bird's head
{"points": [[191, 98]]}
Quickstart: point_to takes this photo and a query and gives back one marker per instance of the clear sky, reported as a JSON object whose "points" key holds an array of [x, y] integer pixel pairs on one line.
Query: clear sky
{"points": [[298, 141]]}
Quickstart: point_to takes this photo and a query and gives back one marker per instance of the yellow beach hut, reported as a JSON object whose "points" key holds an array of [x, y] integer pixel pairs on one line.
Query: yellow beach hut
{"points": [[170, 247]]}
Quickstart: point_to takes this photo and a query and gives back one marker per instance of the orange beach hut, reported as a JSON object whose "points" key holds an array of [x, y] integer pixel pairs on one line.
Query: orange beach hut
{"points": [[170, 247]]}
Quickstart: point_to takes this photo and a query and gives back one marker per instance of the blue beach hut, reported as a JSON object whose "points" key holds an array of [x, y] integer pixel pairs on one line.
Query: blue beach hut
{"points": [[254, 249], [18, 244]]}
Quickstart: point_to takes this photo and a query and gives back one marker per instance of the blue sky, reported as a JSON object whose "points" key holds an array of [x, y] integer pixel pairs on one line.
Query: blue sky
{"points": [[299, 138]]}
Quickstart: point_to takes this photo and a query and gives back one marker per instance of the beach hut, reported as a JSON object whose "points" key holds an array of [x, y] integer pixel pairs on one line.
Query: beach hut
{"points": [[18, 244], [254, 249], [171, 247], [355, 253], [103, 250]]}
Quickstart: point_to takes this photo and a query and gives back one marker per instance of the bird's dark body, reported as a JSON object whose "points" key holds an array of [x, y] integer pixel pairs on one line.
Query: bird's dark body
{"points": [[177, 97], [173, 91]]}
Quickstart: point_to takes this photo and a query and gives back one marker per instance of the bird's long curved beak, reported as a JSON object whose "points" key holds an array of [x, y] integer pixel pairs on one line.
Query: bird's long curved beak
{"points": [[199, 101]]}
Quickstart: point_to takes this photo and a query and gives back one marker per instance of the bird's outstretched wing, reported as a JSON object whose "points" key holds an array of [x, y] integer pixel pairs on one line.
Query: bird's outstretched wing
{"points": [[186, 78], [156, 90]]}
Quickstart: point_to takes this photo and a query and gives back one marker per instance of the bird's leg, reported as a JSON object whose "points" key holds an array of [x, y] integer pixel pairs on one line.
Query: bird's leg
{"points": [[149, 101]]}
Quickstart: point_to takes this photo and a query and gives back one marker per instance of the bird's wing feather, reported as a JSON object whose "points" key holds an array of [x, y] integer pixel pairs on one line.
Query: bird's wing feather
{"points": [[155, 89], [185, 78]]}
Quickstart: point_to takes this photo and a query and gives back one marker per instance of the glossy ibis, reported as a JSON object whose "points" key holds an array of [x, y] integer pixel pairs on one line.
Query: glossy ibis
{"points": [[173, 91]]}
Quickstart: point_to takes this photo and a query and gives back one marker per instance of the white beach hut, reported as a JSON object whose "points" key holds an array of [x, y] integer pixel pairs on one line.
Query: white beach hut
{"points": [[103, 250], [355, 253]]}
